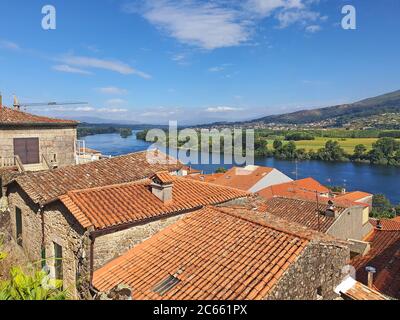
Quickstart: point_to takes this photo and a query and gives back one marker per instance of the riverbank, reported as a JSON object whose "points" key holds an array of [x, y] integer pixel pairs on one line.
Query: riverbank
{"points": [[350, 175]]}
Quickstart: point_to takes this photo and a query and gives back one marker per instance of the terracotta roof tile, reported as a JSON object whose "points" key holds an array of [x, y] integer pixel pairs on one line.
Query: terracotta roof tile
{"points": [[385, 257], [109, 206], [46, 186], [215, 254], [10, 116], [205, 177], [304, 188], [164, 177], [301, 211], [354, 290], [354, 196], [243, 178]]}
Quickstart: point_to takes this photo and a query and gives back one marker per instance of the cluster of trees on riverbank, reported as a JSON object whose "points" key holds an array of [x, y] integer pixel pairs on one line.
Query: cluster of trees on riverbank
{"points": [[385, 151], [382, 208], [93, 130]]}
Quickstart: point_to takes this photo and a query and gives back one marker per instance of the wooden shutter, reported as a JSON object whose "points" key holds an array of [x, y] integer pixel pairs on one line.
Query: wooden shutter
{"points": [[27, 149]]}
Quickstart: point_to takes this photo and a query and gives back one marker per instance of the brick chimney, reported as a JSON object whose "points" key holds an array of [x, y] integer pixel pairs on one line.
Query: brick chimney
{"points": [[162, 186], [1, 101]]}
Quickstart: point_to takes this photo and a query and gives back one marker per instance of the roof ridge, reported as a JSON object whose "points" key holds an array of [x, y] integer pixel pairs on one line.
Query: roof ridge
{"points": [[145, 180], [307, 200], [110, 186]]}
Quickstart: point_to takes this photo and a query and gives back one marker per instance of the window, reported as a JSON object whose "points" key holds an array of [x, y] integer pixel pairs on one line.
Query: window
{"points": [[166, 285], [18, 224], [58, 270], [27, 149], [43, 254]]}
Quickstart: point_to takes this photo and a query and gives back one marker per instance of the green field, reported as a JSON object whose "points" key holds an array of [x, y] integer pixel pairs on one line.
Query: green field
{"points": [[347, 144]]}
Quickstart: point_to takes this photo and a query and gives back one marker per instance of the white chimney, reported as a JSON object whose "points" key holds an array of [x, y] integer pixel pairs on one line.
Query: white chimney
{"points": [[371, 271], [162, 186]]}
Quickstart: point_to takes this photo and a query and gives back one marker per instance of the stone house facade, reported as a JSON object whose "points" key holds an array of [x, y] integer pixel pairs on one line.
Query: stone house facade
{"points": [[39, 142]]}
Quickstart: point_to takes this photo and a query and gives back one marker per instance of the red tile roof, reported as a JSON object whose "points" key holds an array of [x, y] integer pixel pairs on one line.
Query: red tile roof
{"points": [[300, 211], [385, 257], [129, 203], [205, 177], [10, 116], [163, 177], [354, 196], [46, 186], [242, 178], [359, 291], [304, 188], [213, 254]]}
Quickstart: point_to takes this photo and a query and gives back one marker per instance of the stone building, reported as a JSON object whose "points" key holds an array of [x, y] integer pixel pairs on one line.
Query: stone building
{"points": [[220, 253], [78, 231], [32, 143], [340, 219]]}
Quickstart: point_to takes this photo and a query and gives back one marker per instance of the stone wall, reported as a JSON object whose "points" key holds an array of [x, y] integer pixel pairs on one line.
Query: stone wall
{"points": [[60, 228], [111, 246], [59, 141], [31, 222], [318, 271]]}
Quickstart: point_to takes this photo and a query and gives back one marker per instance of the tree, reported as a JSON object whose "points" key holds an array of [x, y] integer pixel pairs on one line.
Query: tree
{"points": [[277, 144], [387, 146], [381, 207], [359, 151], [332, 152]]}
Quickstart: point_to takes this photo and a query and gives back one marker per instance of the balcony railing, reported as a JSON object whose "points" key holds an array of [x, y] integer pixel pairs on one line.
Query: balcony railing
{"points": [[9, 162]]}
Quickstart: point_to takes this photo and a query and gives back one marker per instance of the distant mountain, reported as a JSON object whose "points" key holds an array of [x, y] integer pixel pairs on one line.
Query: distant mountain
{"points": [[96, 120], [339, 114]]}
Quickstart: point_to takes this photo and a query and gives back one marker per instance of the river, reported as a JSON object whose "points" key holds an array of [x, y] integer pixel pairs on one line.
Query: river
{"points": [[370, 178]]}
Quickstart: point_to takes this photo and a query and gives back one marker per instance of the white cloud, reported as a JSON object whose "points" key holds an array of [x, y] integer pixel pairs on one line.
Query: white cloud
{"points": [[69, 69], [112, 90], [115, 102], [287, 18], [219, 23], [313, 28], [266, 7], [222, 109], [111, 110], [205, 25], [216, 69], [111, 65], [9, 45]]}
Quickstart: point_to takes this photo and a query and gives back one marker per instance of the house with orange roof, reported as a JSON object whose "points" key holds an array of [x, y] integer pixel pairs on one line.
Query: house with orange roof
{"points": [[379, 269], [307, 188], [79, 226], [219, 253], [357, 196], [251, 178], [30, 142], [346, 222]]}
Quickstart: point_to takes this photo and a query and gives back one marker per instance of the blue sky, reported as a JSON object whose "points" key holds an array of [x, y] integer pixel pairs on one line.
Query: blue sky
{"points": [[196, 61]]}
